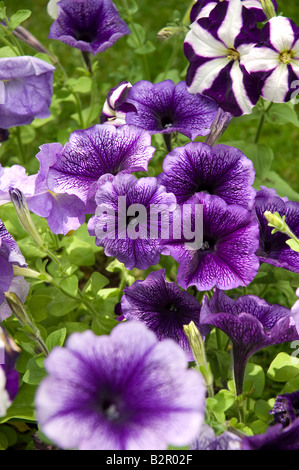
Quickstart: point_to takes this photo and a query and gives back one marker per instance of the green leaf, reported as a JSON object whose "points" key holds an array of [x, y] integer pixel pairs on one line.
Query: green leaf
{"points": [[17, 18], [95, 283], [261, 409], [61, 305], [283, 368], [56, 338], [80, 85], [2, 11], [219, 362], [80, 252], [23, 405], [35, 371], [282, 187], [254, 380], [137, 36], [282, 113], [147, 48], [222, 401], [70, 284]]}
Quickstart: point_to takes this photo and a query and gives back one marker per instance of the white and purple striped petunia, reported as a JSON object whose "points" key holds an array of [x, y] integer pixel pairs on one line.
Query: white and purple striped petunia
{"points": [[215, 47], [202, 8], [276, 59]]}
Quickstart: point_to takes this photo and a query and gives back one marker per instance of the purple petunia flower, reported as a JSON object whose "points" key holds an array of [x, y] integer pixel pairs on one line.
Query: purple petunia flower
{"points": [[166, 107], [276, 59], [115, 107], [15, 177], [202, 9], [273, 248], [162, 306], [9, 377], [89, 25], [226, 258], [286, 408], [126, 391], [26, 87], [275, 438], [207, 440], [126, 204], [90, 153], [215, 48], [9, 255], [220, 170], [251, 323]]}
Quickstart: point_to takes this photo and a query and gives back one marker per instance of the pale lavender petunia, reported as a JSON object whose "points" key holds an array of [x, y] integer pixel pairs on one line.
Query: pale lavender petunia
{"points": [[221, 170], [127, 223], [15, 177], [275, 60], [251, 323], [91, 153], [162, 306], [226, 258], [88, 25], [26, 87], [207, 440], [126, 391], [215, 48], [273, 248], [166, 107]]}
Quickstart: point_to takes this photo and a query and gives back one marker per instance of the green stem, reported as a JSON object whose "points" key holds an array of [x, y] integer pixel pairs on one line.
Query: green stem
{"points": [[20, 145], [261, 123]]}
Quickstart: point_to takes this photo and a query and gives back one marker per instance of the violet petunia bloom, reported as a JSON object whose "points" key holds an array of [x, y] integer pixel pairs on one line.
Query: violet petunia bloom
{"points": [[166, 107], [275, 438], [9, 377], [275, 60], [26, 87], [251, 323], [88, 25], [127, 219], [286, 408], [126, 391], [15, 177], [226, 258], [10, 255], [115, 107], [215, 48], [202, 9], [207, 440], [162, 306], [221, 170], [91, 153], [273, 248]]}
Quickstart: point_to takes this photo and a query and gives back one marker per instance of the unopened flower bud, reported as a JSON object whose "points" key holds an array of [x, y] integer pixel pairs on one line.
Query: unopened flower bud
{"points": [[19, 201], [219, 126], [17, 308], [276, 221], [268, 8], [165, 33]]}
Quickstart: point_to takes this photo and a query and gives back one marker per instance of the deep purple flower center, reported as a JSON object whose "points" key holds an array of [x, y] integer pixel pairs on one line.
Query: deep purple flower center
{"points": [[171, 307], [86, 36], [166, 121], [208, 244]]}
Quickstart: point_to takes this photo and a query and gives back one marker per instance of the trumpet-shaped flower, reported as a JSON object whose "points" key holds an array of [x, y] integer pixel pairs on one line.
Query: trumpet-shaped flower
{"points": [[215, 48], [162, 306], [26, 87], [166, 107], [275, 60], [89, 25], [251, 323], [126, 391], [220, 170]]}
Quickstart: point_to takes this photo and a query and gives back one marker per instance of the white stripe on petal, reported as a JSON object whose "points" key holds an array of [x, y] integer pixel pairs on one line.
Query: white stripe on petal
{"points": [[239, 89], [277, 85], [252, 4], [281, 33], [205, 11], [206, 74], [260, 59], [295, 49], [203, 43], [232, 23]]}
